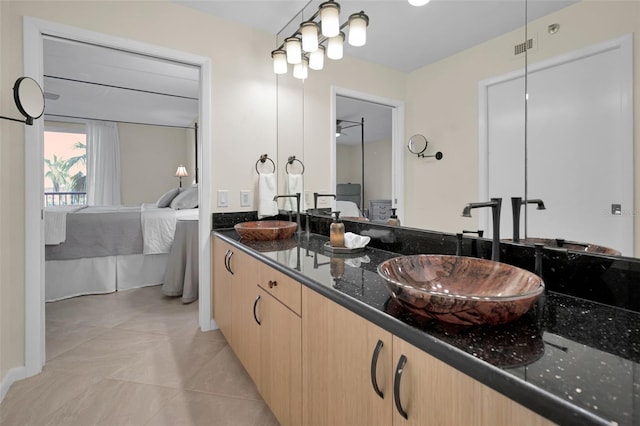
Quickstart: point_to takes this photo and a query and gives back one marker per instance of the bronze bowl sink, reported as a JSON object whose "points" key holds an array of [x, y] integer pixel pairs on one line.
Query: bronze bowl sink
{"points": [[266, 230], [571, 245], [461, 290]]}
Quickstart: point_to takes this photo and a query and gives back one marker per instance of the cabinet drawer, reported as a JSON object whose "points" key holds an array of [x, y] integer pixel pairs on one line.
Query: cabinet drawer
{"points": [[280, 286]]}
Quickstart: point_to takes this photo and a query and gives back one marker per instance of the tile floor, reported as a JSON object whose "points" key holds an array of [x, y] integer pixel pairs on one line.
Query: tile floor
{"points": [[134, 358]]}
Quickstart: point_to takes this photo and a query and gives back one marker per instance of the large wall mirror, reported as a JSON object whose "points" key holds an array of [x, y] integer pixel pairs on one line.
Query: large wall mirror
{"points": [[442, 101]]}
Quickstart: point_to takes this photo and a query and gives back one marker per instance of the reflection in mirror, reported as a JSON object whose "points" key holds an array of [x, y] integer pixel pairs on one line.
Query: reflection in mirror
{"points": [[364, 164], [580, 121], [29, 99]]}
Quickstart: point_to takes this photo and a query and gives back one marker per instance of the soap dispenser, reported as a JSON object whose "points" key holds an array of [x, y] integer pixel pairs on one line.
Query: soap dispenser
{"points": [[393, 220], [336, 231]]}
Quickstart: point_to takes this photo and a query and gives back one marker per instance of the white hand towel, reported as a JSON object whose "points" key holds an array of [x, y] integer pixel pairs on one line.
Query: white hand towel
{"points": [[352, 240], [295, 183], [266, 191]]}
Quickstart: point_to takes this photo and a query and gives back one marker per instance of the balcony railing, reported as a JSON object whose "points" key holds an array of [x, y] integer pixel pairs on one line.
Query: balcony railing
{"points": [[65, 198]]}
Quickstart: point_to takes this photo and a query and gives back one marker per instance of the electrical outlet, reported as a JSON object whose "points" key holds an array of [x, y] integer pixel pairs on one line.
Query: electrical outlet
{"points": [[245, 198], [223, 198]]}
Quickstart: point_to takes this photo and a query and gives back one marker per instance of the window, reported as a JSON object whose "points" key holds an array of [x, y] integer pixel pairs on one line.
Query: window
{"points": [[65, 167]]}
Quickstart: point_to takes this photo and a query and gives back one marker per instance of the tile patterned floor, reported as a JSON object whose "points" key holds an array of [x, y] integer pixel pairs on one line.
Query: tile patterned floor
{"points": [[134, 358]]}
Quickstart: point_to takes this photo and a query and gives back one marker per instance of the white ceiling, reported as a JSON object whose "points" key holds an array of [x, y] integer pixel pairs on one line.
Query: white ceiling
{"points": [[94, 82], [399, 36]]}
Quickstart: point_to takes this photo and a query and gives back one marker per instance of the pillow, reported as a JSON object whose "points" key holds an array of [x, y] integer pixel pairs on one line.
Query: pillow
{"points": [[187, 199], [167, 197]]}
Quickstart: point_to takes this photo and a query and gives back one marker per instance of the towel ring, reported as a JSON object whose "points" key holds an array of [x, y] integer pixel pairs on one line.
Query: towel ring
{"points": [[290, 160], [263, 159]]}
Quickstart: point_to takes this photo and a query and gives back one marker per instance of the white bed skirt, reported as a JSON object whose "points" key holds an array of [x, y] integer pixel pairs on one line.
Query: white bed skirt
{"points": [[96, 275]]}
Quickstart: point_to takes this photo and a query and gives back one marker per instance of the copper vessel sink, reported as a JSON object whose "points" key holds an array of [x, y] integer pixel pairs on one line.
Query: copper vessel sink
{"points": [[266, 230], [571, 245], [461, 290]]}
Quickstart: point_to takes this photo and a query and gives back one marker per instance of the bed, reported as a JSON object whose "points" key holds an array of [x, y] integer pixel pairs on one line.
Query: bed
{"points": [[102, 249]]}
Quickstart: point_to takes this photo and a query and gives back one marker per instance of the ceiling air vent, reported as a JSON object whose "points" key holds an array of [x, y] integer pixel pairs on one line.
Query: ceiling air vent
{"points": [[522, 47]]}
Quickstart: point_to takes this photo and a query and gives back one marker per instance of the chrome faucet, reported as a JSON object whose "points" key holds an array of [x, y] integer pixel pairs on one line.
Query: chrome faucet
{"points": [[297, 197], [495, 205], [516, 203], [317, 195]]}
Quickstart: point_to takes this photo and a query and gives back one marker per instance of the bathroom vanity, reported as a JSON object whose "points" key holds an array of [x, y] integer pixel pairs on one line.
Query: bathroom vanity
{"points": [[325, 344]]}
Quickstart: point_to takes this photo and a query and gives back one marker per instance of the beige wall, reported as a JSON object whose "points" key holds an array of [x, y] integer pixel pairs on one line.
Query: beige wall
{"points": [[442, 105], [149, 157], [243, 113], [377, 174]]}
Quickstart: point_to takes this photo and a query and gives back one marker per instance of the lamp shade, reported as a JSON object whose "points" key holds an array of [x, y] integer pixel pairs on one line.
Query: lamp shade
{"points": [[279, 61], [334, 46], [293, 46], [182, 171], [418, 2], [330, 18], [358, 29], [316, 59], [301, 70], [309, 31]]}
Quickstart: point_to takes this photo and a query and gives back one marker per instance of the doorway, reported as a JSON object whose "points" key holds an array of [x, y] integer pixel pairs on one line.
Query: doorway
{"points": [[367, 156], [34, 32]]}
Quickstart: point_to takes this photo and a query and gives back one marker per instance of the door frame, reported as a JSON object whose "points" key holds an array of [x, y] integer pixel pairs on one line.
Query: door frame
{"points": [[33, 31], [397, 138]]}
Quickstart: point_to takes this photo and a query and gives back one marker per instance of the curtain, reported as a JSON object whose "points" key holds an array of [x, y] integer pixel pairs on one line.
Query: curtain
{"points": [[103, 164]]}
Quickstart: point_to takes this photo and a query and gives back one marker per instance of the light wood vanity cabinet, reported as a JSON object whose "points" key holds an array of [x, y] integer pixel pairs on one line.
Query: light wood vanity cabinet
{"points": [[339, 348], [287, 335], [258, 310], [339, 363], [223, 278], [431, 389]]}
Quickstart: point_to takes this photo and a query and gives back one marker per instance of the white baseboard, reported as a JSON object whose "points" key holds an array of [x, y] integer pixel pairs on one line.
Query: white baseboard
{"points": [[13, 375]]}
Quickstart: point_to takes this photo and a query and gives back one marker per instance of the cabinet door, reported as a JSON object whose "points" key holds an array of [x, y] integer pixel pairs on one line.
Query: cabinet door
{"points": [[343, 356], [222, 286], [433, 392], [280, 367], [246, 330]]}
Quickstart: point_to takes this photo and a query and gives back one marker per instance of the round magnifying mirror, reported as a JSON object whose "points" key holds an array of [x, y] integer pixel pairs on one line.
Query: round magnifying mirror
{"points": [[417, 144], [29, 98]]}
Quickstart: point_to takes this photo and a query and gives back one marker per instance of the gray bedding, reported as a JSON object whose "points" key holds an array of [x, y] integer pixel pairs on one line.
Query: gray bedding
{"points": [[100, 231]]}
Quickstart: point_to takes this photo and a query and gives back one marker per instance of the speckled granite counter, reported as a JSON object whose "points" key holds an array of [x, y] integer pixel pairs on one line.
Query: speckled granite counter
{"points": [[571, 360]]}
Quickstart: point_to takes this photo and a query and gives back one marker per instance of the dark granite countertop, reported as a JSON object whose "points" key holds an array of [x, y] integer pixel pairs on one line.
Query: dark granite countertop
{"points": [[571, 360]]}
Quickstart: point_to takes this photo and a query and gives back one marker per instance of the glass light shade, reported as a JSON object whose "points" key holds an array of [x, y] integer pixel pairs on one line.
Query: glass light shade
{"points": [[301, 70], [330, 18], [309, 32], [293, 46], [316, 59], [279, 61], [358, 29], [334, 46], [418, 2], [182, 171]]}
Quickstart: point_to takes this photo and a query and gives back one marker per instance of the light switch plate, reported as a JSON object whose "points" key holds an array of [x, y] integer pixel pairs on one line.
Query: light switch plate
{"points": [[245, 198], [223, 198]]}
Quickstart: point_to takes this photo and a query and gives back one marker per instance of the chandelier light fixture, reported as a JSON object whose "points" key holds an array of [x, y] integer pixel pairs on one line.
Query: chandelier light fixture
{"points": [[318, 36]]}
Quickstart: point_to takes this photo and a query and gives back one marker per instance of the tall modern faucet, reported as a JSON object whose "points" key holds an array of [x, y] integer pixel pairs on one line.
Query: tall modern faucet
{"points": [[297, 197], [516, 203], [495, 205], [317, 195]]}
